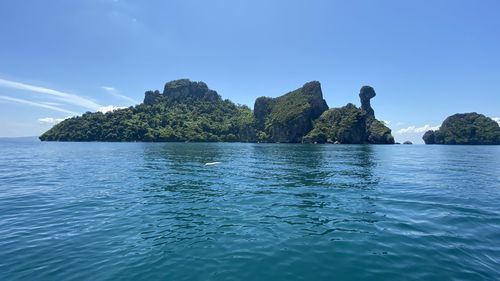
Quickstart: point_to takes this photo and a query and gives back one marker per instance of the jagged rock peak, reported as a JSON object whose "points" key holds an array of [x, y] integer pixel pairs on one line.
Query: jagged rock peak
{"points": [[186, 89], [365, 95], [152, 97], [313, 88], [182, 90], [319, 105], [289, 117]]}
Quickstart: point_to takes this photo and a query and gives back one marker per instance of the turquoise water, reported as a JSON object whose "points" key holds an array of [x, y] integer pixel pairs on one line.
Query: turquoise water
{"points": [[137, 211]]}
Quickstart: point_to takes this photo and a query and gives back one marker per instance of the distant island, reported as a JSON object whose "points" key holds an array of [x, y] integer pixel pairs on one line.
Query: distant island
{"points": [[190, 111], [465, 128]]}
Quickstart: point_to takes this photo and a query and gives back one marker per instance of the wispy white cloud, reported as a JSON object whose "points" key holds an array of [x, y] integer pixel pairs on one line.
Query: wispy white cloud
{"points": [[109, 89], [37, 104], [61, 96], [51, 120], [114, 92], [496, 119], [415, 129], [52, 103], [108, 108], [386, 122]]}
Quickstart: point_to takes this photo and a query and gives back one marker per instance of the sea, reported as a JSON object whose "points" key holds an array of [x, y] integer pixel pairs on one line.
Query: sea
{"points": [[244, 211]]}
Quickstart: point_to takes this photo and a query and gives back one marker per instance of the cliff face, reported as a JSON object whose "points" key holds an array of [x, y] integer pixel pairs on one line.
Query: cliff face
{"points": [[182, 91], [350, 124], [289, 118], [465, 128], [262, 109], [153, 97]]}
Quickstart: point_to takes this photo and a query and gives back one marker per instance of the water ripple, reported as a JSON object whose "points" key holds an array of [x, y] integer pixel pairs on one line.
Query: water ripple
{"points": [[133, 211]]}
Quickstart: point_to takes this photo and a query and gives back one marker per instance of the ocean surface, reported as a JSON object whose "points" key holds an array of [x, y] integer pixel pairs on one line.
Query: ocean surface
{"points": [[155, 211]]}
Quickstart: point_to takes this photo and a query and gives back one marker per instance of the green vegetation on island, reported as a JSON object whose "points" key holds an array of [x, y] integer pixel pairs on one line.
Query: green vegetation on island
{"points": [[186, 111], [190, 111], [465, 128], [350, 124]]}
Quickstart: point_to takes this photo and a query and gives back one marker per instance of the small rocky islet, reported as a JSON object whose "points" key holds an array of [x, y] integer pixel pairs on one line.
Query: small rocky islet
{"points": [[191, 111], [465, 129]]}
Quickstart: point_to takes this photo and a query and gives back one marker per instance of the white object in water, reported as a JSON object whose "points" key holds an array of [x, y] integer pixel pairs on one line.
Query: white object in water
{"points": [[211, 163]]}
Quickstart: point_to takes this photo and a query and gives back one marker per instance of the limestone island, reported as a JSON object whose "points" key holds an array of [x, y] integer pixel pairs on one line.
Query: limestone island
{"points": [[190, 111], [465, 128]]}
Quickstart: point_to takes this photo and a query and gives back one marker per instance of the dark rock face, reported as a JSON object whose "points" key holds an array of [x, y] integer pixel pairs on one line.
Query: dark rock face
{"points": [[429, 137], [365, 95], [465, 128], [407, 142], [152, 97], [184, 89], [181, 91], [262, 109], [288, 118]]}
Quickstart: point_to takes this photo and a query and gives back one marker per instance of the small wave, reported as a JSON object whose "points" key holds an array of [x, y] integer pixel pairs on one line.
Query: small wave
{"points": [[212, 163]]}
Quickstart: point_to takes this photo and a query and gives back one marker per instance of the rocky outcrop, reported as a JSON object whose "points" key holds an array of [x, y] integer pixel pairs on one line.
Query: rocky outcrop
{"points": [[350, 124], [465, 128], [407, 142], [153, 97], [289, 118], [346, 124], [262, 109], [365, 95], [429, 137], [184, 89], [378, 132]]}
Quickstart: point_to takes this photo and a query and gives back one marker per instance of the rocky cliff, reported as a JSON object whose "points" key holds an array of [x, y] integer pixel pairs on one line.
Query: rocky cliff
{"points": [[182, 91], [289, 118]]}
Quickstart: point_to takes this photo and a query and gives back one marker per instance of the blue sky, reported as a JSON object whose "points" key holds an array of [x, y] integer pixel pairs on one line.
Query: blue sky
{"points": [[425, 59]]}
